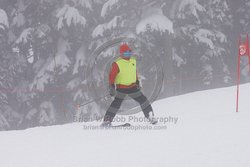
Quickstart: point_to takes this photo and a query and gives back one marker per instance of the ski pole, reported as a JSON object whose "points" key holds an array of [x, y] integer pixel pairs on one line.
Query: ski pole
{"points": [[80, 105]]}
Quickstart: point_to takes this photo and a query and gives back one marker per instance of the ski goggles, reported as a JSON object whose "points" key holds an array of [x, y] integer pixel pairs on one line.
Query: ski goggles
{"points": [[127, 54]]}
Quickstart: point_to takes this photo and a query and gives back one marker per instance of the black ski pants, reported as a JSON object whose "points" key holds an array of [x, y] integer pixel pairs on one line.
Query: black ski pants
{"points": [[135, 94]]}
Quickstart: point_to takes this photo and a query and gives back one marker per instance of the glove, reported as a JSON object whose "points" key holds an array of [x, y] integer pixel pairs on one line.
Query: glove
{"points": [[112, 90], [138, 84]]}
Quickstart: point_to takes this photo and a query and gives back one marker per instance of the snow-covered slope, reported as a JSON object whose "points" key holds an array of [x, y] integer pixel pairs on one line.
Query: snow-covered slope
{"points": [[207, 133]]}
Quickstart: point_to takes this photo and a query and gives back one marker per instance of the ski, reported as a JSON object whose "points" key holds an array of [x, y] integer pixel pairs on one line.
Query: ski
{"points": [[122, 125], [116, 126]]}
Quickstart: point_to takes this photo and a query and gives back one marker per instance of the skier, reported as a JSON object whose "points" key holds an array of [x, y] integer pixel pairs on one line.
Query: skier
{"points": [[123, 81]]}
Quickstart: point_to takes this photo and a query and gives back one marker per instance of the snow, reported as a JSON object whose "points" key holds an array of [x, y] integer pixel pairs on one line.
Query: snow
{"points": [[85, 3], [25, 35], [193, 6], [80, 59], [203, 129], [108, 6], [177, 59], [3, 19], [60, 60], [222, 37], [71, 15], [18, 20], [155, 20], [3, 121], [101, 28], [74, 83], [203, 36], [47, 113], [31, 114], [109, 52]]}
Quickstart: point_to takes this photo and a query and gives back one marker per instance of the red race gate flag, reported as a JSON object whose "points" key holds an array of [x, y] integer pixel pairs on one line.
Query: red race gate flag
{"points": [[248, 51], [243, 51]]}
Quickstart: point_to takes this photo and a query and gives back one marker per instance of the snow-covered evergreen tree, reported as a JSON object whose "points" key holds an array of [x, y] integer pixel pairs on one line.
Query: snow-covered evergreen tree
{"points": [[201, 41]]}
